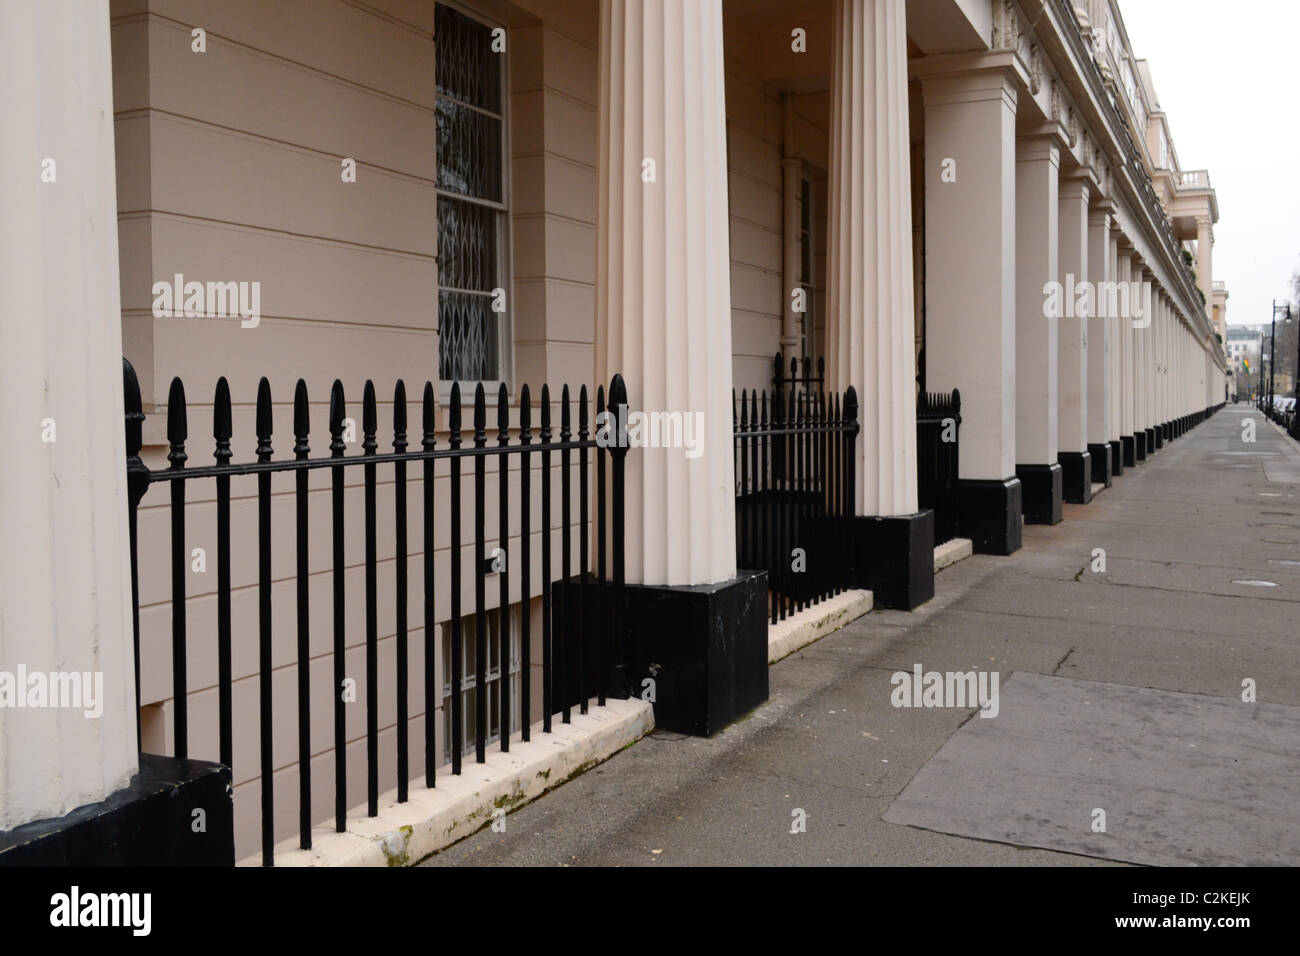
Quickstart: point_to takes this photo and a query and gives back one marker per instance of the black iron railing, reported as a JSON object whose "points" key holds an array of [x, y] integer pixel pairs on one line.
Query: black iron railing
{"points": [[794, 475], [938, 425], [583, 654]]}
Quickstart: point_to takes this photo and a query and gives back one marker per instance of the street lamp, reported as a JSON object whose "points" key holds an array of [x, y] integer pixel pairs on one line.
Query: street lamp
{"points": [[1272, 350]]}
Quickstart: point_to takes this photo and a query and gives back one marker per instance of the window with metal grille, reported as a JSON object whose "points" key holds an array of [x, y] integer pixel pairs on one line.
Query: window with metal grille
{"points": [[468, 686], [473, 230]]}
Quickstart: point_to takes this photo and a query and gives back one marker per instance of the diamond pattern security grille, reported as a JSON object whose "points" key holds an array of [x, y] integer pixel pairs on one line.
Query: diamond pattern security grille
{"points": [[467, 340], [469, 151], [471, 147], [467, 69], [467, 246]]}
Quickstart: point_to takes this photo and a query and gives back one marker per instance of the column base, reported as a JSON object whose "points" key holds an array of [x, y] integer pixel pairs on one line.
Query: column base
{"points": [[1140, 445], [1153, 440], [892, 556], [1101, 466], [1076, 476], [1043, 493], [149, 822], [1116, 458], [1130, 450], [989, 513], [705, 646]]}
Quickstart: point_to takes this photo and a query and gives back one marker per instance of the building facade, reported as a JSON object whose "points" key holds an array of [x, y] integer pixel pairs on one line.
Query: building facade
{"points": [[980, 195]]}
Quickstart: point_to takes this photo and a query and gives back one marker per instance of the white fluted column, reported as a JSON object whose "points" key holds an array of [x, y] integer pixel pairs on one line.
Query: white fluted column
{"points": [[869, 249], [1037, 220], [1100, 347], [663, 297], [1072, 331], [1116, 351], [65, 583], [1128, 395]]}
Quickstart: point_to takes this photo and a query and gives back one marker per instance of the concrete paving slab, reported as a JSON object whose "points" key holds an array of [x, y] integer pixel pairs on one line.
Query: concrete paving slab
{"points": [[1181, 778]]}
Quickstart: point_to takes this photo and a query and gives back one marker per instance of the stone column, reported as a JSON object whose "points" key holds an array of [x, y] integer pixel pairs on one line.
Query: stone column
{"points": [[970, 226], [1141, 325], [1147, 334], [1098, 382], [65, 580], [869, 307], [663, 319], [1127, 391], [1113, 324], [1037, 222], [1074, 268]]}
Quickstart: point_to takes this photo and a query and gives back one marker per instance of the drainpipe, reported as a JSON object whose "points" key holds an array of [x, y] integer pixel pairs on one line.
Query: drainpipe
{"points": [[790, 337]]}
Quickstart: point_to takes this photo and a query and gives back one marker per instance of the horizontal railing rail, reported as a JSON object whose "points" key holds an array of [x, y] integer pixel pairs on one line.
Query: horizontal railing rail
{"points": [[582, 645]]}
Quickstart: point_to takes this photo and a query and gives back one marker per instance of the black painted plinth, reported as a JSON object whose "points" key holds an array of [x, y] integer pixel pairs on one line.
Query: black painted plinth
{"points": [[893, 557], [705, 647], [1140, 444], [1101, 468], [1130, 450], [1076, 476], [1043, 493], [1116, 458], [150, 822], [1153, 440], [990, 514]]}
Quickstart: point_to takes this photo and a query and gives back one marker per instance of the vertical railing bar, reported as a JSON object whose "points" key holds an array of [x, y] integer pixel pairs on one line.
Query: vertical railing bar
{"points": [[602, 623], [525, 567], [369, 445], [547, 687], [222, 432], [457, 651], [400, 568], [137, 483], [431, 649], [177, 430], [267, 715], [623, 668], [566, 557], [301, 449], [480, 581], [337, 448], [503, 518], [584, 553]]}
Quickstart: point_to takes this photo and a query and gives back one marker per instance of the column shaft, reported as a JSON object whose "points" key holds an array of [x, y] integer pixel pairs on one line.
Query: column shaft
{"points": [[663, 301], [65, 581]]}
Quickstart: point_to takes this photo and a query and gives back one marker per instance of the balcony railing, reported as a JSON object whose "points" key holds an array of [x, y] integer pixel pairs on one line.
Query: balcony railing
{"points": [[1194, 179]]}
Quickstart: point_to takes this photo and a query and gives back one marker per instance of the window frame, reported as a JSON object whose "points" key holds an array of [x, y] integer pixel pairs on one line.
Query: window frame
{"points": [[505, 234]]}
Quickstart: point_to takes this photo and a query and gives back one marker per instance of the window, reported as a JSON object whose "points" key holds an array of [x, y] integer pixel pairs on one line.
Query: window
{"points": [[473, 229], [468, 688]]}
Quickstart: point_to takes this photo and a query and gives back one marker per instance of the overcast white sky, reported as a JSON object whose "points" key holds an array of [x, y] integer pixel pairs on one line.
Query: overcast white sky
{"points": [[1227, 73]]}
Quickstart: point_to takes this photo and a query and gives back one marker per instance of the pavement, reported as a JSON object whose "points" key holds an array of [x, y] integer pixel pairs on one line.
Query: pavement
{"points": [[1121, 677]]}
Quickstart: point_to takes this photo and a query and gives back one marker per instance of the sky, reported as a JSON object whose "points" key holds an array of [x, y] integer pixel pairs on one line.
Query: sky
{"points": [[1227, 74]]}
